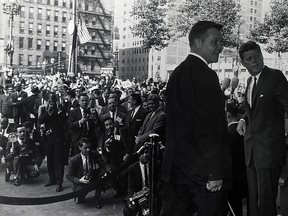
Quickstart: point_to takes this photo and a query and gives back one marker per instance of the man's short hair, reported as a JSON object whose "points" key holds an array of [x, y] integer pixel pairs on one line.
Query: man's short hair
{"points": [[249, 45], [72, 93], [107, 119], [28, 124], [84, 140], [200, 28], [83, 95], [137, 97], [154, 98]]}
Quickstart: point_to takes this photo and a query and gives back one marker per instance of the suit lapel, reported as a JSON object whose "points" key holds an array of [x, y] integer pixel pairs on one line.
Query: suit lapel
{"points": [[259, 83]]}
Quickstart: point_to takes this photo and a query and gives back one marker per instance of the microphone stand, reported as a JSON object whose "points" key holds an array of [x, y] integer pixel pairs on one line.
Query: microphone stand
{"points": [[153, 174]]}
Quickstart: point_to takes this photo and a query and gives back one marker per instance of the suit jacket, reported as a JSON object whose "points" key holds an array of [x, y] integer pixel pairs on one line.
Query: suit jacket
{"points": [[75, 169], [18, 99], [118, 118], [28, 104], [196, 149], [135, 183], [265, 132], [155, 123], [132, 127], [77, 131]]}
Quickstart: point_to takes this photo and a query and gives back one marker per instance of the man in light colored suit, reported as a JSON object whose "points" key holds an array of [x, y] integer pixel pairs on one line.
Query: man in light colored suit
{"points": [[262, 125]]}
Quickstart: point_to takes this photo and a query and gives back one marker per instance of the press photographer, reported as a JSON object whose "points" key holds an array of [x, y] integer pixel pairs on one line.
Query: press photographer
{"points": [[85, 168], [20, 156], [53, 117]]}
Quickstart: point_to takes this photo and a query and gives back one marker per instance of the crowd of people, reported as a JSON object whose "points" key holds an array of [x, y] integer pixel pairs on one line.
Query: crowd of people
{"points": [[216, 150]]}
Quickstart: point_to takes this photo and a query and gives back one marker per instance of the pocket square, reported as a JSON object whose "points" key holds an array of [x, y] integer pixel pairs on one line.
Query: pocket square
{"points": [[261, 95]]}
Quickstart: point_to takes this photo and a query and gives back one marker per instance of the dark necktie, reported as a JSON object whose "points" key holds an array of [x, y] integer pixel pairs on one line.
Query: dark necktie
{"points": [[254, 89], [132, 114], [146, 176]]}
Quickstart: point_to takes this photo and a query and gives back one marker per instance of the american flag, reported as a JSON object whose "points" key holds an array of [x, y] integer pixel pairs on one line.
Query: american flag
{"points": [[83, 32]]}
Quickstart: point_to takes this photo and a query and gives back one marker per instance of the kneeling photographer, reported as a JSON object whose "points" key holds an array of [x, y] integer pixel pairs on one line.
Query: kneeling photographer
{"points": [[85, 168], [139, 180]]}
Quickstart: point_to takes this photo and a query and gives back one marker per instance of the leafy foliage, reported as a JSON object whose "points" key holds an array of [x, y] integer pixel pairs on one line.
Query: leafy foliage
{"points": [[225, 12], [274, 30], [152, 24]]}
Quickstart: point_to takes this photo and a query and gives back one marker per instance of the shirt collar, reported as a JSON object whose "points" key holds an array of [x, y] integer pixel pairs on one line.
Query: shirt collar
{"points": [[194, 54]]}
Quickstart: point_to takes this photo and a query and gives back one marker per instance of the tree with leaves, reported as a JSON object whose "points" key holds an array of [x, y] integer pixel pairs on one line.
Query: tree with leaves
{"points": [[152, 26], [273, 32], [225, 12]]}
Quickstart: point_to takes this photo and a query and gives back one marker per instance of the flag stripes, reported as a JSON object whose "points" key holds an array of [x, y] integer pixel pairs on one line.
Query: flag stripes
{"points": [[83, 33]]}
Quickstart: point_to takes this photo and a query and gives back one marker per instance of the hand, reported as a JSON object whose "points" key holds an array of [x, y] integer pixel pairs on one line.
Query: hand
{"points": [[241, 128], [214, 185], [32, 116], [83, 120], [36, 168], [137, 140], [83, 180], [126, 157], [11, 149]]}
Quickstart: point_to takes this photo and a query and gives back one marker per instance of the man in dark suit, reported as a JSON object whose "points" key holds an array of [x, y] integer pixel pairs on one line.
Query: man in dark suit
{"points": [[17, 103], [154, 122], [85, 168], [21, 157], [266, 100], [132, 122], [196, 156], [82, 123], [29, 104], [236, 142], [113, 113], [53, 117]]}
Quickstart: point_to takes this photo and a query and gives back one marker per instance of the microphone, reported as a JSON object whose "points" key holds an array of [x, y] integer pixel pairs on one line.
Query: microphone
{"points": [[234, 84], [225, 84]]}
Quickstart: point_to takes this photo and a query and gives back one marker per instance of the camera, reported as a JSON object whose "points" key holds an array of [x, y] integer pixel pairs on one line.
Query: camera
{"points": [[140, 198]]}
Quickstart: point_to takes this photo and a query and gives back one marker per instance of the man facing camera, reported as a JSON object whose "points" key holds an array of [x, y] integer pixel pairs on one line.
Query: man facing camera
{"points": [[85, 168]]}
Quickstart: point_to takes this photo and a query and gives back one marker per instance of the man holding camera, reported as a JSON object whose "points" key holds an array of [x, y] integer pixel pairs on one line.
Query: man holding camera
{"points": [[85, 168], [83, 122], [54, 118], [20, 156]]}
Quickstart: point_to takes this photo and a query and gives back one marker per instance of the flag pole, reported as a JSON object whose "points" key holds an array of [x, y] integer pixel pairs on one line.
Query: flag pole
{"points": [[74, 58]]}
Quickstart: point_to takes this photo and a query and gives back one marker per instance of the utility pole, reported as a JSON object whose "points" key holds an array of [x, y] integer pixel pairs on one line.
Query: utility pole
{"points": [[11, 8]]}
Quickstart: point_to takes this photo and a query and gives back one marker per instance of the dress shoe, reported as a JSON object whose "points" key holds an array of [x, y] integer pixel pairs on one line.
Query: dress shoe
{"points": [[17, 182], [7, 175], [80, 200], [98, 205], [59, 188], [49, 183]]}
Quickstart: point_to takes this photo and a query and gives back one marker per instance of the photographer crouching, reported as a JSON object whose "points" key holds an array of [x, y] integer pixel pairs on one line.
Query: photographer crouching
{"points": [[20, 156], [54, 118], [85, 168]]}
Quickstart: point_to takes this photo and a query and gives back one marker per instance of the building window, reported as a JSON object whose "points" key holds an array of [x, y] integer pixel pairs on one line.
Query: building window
{"points": [[64, 3], [124, 29], [29, 60], [21, 42], [47, 45], [124, 36], [255, 3], [48, 29], [251, 10], [251, 18], [63, 31], [39, 1], [21, 56], [123, 52], [40, 13], [93, 35], [86, 7], [48, 2], [31, 12], [30, 43], [255, 11], [48, 14], [64, 17], [30, 28], [55, 46], [38, 62], [55, 31], [56, 16], [56, 2], [39, 44], [63, 46], [93, 21], [22, 12], [22, 27], [252, 2], [39, 28]]}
